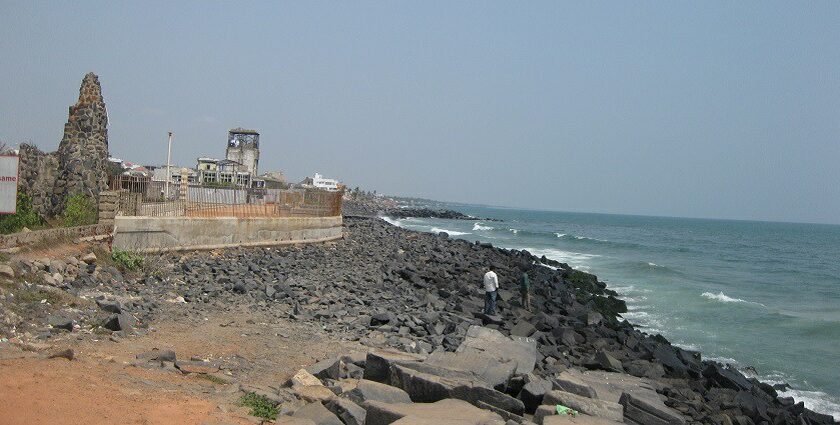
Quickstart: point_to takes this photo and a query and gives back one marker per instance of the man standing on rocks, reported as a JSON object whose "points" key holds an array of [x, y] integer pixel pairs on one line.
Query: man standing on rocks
{"points": [[525, 291], [491, 285]]}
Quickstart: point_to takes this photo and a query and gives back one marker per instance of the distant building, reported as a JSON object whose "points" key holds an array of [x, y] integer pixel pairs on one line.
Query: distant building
{"points": [[244, 148], [222, 172], [321, 182], [159, 174]]}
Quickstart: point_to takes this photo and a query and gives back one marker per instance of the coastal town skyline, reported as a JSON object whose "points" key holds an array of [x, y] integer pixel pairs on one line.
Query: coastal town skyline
{"points": [[724, 112]]}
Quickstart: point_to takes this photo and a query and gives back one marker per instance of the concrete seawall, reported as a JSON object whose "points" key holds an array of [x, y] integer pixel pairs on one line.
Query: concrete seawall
{"points": [[154, 234]]}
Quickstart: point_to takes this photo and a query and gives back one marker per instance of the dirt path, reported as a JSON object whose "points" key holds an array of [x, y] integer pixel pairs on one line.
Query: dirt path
{"points": [[102, 385], [36, 391]]}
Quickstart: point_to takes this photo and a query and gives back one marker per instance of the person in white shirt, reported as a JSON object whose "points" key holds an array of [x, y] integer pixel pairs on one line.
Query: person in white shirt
{"points": [[491, 286]]}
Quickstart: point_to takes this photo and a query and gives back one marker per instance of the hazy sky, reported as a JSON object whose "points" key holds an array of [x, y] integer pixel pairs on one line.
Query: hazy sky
{"points": [[700, 109]]}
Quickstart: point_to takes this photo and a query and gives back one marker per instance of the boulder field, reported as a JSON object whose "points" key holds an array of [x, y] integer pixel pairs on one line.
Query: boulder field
{"points": [[415, 300]]}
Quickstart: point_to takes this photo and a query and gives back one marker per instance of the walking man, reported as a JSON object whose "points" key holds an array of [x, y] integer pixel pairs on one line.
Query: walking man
{"points": [[525, 291], [491, 286]]}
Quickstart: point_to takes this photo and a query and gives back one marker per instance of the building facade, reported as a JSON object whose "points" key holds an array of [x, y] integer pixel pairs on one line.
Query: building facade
{"points": [[244, 148]]}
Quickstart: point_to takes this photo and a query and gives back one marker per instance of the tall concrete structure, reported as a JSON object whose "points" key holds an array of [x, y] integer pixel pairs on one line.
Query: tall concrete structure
{"points": [[79, 166], [244, 147]]}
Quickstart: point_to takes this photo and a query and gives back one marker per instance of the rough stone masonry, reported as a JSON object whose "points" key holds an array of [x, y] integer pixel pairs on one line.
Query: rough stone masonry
{"points": [[79, 165]]}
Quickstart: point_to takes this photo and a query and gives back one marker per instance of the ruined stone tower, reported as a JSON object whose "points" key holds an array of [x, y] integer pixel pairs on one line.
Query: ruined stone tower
{"points": [[79, 165]]}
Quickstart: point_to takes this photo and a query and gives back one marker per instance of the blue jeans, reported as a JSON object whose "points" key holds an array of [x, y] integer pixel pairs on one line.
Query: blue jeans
{"points": [[490, 303]]}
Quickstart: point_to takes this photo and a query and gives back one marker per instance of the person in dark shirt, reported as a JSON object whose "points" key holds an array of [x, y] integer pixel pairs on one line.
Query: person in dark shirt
{"points": [[525, 291]]}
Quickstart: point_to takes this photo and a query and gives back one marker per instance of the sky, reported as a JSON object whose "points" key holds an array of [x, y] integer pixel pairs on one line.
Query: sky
{"points": [[692, 109]]}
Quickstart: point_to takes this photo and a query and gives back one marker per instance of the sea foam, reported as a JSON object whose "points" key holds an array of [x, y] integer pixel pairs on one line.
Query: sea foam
{"points": [[392, 221], [450, 232], [720, 296], [478, 226]]}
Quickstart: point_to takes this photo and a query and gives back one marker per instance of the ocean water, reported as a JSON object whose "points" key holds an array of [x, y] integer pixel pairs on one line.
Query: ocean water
{"points": [[758, 295]]}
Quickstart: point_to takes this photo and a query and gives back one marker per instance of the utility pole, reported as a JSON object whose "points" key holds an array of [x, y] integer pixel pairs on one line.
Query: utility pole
{"points": [[168, 164]]}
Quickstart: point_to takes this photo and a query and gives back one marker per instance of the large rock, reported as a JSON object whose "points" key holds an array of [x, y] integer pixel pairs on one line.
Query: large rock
{"points": [[649, 411], [576, 420], [487, 368], [291, 420], [590, 406], [726, 377], [350, 413], [443, 412], [492, 342], [523, 329], [303, 378], [425, 387], [316, 412], [569, 382], [378, 363], [370, 390], [326, 369], [532, 393], [607, 362]]}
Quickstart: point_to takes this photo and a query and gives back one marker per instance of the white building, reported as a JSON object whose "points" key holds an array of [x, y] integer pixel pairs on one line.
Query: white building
{"points": [[323, 183]]}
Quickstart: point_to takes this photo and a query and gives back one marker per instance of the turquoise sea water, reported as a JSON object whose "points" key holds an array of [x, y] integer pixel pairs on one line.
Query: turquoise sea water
{"points": [[758, 294]]}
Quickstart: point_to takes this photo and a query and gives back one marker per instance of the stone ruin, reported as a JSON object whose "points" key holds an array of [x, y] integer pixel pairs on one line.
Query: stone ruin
{"points": [[79, 166]]}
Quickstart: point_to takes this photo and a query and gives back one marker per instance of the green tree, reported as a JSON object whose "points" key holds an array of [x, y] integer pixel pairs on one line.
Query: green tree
{"points": [[24, 217]]}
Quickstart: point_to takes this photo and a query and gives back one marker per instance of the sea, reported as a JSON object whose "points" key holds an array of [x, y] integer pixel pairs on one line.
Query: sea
{"points": [[761, 296]]}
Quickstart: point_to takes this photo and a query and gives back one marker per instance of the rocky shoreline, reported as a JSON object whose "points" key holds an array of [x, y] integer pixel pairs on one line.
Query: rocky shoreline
{"points": [[389, 288]]}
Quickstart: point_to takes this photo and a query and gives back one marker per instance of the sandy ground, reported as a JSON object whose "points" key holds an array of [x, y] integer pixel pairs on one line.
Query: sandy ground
{"points": [[102, 386]]}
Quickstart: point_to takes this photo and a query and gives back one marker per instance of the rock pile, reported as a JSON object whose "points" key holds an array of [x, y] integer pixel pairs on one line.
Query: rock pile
{"points": [[420, 294]]}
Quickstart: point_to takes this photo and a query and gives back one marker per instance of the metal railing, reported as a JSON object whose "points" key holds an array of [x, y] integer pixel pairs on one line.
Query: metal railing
{"points": [[140, 196]]}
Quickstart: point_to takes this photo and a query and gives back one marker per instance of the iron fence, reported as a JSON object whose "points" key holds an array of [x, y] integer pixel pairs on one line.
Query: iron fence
{"points": [[140, 196]]}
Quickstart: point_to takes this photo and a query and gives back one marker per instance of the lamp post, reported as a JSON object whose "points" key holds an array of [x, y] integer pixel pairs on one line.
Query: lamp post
{"points": [[168, 164]]}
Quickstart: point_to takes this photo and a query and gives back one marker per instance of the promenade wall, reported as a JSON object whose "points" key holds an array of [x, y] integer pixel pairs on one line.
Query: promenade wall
{"points": [[157, 234]]}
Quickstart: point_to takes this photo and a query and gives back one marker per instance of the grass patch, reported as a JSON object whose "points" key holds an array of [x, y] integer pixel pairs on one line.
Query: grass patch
{"points": [[260, 406], [127, 260], [24, 217], [80, 210], [36, 295]]}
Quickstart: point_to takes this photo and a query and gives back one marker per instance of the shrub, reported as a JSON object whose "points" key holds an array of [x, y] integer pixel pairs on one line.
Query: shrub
{"points": [[127, 260], [260, 406], [25, 216], [80, 210]]}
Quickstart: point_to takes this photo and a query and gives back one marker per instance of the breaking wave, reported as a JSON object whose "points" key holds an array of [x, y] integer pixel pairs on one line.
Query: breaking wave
{"points": [[449, 232], [721, 297], [392, 221], [478, 226]]}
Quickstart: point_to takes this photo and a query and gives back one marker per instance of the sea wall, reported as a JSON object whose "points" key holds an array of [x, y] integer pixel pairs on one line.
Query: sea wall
{"points": [[155, 234]]}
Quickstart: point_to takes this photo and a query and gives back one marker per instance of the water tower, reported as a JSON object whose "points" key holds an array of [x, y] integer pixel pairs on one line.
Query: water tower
{"points": [[244, 147]]}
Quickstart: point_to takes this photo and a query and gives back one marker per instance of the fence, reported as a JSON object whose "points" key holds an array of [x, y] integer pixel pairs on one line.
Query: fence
{"points": [[139, 196]]}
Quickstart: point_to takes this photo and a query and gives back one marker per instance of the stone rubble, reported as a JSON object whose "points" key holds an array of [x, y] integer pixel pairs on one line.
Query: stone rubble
{"points": [[415, 300]]}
